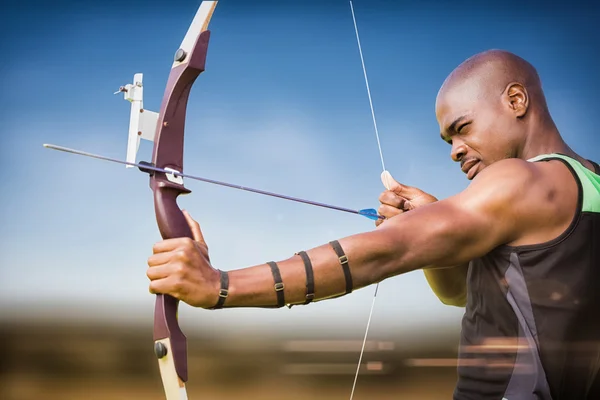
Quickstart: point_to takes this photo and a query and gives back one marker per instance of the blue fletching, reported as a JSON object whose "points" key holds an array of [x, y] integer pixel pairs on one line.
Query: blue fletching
{"points": [[370, 213]]}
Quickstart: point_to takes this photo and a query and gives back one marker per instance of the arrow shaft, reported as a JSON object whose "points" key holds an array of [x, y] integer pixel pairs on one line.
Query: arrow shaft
{"points": [[146, 168]]}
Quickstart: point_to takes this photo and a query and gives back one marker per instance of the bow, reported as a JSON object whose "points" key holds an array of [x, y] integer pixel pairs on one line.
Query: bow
{"points": [[166, 130], [170, 342], [170, 345]]}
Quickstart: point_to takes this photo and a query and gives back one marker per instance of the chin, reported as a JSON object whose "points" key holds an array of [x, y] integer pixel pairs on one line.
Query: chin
{"points": [[475, 170]]}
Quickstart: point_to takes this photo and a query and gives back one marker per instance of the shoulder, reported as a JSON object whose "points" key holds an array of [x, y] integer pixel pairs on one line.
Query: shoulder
{"points": [[510, 180], [516, 179], [528, 201]]}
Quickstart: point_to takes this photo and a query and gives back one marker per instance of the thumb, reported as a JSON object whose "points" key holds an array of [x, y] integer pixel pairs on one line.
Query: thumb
{"points": [[393, 185], [389, 182], [194, 226]]}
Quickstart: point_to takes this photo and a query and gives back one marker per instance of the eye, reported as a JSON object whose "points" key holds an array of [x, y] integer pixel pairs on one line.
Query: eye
{"points": [[460, 128]]}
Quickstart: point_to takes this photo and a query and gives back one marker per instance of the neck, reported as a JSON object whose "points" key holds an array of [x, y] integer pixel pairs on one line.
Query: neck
{"points": [[543, 137]]}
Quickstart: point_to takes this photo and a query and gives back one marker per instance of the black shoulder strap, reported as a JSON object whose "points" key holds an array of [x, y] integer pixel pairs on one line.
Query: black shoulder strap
{"points": [[596, 167]]}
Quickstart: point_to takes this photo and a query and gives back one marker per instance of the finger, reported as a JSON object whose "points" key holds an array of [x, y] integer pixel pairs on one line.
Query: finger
{"points": [[167, 245], [180, 254], [194, 226], [175, 244], [392, 199], [163, 286], [389, 211], [158, 259], [159, 272]]}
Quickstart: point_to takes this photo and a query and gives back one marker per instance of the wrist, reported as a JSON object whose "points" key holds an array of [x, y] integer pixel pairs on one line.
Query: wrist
{"points": [[220, 290]]}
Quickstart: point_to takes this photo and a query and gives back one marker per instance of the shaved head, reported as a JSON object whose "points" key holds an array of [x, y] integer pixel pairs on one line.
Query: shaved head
{"points": [[492, 71], [492, 107]]}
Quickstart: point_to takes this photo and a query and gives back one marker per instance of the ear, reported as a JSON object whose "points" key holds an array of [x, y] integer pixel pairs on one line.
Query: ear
{"points": [[517, 99]]}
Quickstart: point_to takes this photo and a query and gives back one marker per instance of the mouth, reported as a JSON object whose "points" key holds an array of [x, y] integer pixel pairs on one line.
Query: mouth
{"points": [[468, 168]]}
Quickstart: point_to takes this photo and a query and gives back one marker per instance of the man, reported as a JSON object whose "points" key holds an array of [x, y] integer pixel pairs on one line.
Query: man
{"points": [[518, 247]]}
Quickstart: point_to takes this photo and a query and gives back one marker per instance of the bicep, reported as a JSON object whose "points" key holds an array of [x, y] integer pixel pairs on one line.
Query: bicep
{"points": [[447, 233]]}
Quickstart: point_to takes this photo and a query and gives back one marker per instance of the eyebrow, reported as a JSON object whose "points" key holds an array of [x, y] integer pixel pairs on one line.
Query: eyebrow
{"points": [[452, 126]]}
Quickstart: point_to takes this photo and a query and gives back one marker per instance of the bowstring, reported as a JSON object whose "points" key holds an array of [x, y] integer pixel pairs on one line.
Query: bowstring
{"points": [[362, 60]]}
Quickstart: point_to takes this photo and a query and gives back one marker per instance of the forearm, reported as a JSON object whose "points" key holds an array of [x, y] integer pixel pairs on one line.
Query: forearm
{"points": [[369, 256], [449, 284]]}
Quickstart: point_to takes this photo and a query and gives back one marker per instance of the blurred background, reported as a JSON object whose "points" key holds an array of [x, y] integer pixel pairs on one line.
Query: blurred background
{"points": [[282, 106]]}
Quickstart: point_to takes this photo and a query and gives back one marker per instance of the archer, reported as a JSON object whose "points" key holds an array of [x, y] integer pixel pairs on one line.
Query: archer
{"points": [[518, 248]]}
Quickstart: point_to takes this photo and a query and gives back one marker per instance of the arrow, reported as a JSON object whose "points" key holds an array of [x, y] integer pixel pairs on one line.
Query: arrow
{"points": [[173, 175]]}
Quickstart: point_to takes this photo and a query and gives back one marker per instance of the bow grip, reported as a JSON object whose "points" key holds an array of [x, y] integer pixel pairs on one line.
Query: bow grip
{"points": [[172, 224]]}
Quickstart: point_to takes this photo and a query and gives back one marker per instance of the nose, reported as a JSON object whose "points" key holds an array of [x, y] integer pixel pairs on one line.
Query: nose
{"points": [[459, 150]]}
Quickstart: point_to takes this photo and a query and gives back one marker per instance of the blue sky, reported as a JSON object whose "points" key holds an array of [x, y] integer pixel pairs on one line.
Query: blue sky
{"points": [[282, 106]]}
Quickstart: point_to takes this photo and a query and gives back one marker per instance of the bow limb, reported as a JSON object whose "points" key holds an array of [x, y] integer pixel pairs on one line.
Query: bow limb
{"points": [[170, 344]]}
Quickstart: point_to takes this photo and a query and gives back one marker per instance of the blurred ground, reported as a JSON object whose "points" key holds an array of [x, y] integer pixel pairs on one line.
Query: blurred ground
{"points": [[98, 361]]}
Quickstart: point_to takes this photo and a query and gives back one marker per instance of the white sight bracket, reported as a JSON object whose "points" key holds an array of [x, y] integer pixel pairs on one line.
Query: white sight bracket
{"points": [[142, 123]]}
